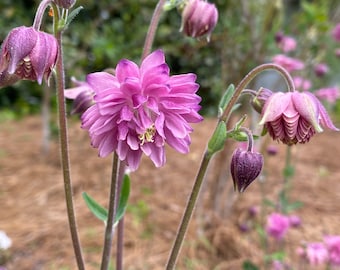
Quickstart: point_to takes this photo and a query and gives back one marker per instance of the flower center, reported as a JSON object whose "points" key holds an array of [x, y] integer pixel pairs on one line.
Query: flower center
{"points": [[148, 135]]}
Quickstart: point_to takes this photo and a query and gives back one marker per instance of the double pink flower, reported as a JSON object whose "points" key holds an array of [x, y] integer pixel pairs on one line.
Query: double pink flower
{"points": [[139, 109]]}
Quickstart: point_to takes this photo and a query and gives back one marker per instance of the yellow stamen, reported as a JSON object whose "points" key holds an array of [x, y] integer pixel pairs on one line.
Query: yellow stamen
{"points": [[148, 135]]}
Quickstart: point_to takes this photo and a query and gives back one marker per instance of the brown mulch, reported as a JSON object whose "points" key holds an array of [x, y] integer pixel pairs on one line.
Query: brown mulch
{"points": [[33, 213]]}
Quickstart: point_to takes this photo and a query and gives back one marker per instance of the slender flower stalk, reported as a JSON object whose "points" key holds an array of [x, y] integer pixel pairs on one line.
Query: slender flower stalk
{"points": [[150, 36], [250, 76], [64, 149], [40, 13], [207, 157], [188, 212], [111, 215]]}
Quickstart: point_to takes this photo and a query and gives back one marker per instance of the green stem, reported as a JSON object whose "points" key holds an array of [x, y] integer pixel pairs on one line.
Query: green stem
{"points": [[150, 36], [60, 85], [188, 212], [111, 215], [120, 244], [249, 77], [120, 227]]}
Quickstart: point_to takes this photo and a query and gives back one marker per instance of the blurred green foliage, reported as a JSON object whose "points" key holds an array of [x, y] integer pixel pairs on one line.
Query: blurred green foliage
{"points": [[108, 30]]}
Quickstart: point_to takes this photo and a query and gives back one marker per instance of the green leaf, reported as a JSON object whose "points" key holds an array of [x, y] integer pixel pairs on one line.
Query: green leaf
{"points": [[102, 213], [293, 206], [71, 16], [99, 211], [217, 141], [248, 265], [123, 198], [228, 94]]}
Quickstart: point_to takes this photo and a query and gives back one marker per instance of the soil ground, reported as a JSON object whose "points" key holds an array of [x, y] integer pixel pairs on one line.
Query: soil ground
{"points": [[33, 214]]}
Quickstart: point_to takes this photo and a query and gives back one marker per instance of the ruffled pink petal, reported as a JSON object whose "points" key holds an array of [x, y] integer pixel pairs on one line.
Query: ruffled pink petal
{"points": [[100, 81], [126, 69], [275, 106], [308, 108], [154, 59], [323, 115]]}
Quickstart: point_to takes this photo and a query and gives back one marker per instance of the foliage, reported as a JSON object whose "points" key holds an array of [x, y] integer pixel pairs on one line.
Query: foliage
{"points": [[106, 31]]}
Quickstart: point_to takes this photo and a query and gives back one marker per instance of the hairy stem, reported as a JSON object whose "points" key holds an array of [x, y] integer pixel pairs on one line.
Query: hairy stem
{"points": [[249, 77], [188, 212], [40, 13], [150, 36], [63, 135], [111, 215]]}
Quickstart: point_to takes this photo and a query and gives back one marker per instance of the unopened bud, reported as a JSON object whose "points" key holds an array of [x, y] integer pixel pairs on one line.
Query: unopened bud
{"points": [[199, 18], [260, 99], [245, 166], [65, 3]]}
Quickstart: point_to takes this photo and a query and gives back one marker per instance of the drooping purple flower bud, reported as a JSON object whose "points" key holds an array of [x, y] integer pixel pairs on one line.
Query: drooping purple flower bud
{"points": [[294, 117], [65, 3], [28, 53], [260, 99], [199, 18], [245, 166]]}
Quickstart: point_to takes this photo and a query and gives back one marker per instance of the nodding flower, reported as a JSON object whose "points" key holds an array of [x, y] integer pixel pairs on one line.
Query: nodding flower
{"points": [[294, 117], [29, 54]]}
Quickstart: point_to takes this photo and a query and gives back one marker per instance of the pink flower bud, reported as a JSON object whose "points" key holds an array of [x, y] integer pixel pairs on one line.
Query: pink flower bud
{"points": [[65, 3], [260, 99], [245, 166], [28, 53], [199, 18]]}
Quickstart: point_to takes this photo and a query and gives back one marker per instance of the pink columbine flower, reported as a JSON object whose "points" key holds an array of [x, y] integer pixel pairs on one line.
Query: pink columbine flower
{"points": [[316, 253], [289, 63], [329, 94], [301, 83], [29, 54], [333, 245], [82, 94], [199, 18], [277, 225], [139, 109], [294, 117], [285, 43], [336, 32], [321, 69]]}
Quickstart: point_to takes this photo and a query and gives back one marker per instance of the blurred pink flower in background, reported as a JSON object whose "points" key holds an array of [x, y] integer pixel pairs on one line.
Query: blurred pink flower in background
{"points": [[337, 52], [333, 245], [277, 225], [294, 221], [336, 32], [289, 63], [316, 253], [329, 94], [301, 83], [285, 43], [321, 69]]}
